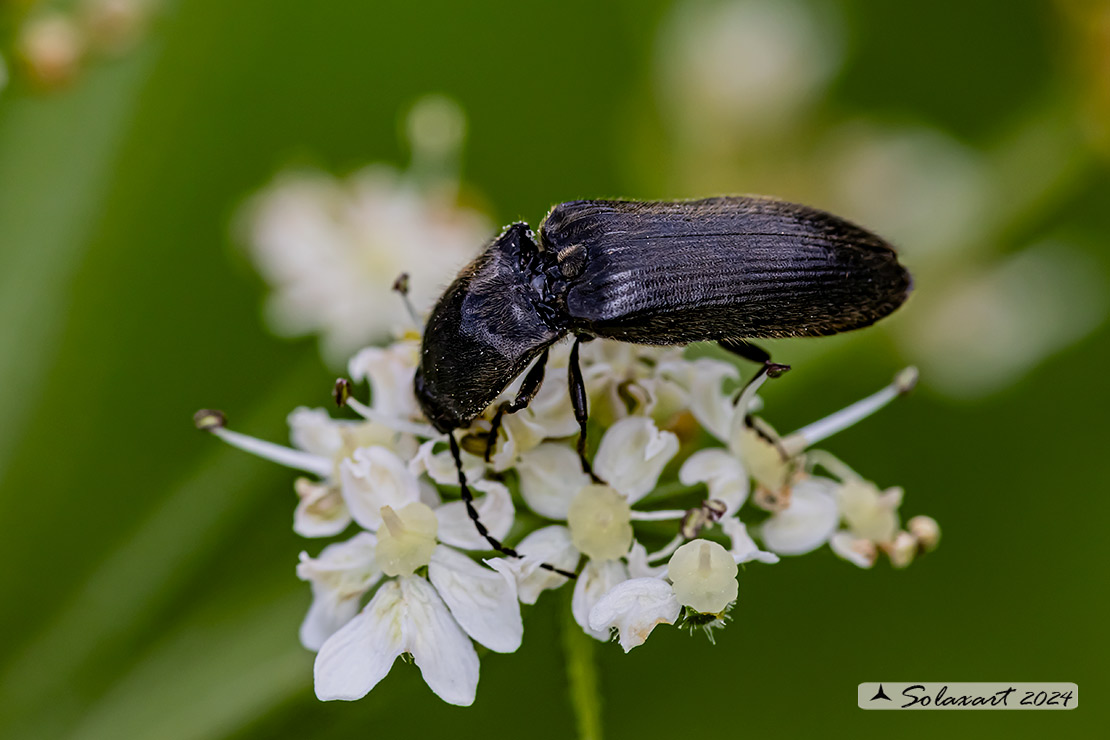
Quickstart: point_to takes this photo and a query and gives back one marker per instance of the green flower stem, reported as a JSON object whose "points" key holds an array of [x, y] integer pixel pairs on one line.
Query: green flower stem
{"points": [[582, 678]]}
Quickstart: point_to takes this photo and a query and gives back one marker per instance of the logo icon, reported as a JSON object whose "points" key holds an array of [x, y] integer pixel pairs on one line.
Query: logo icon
{"points": [[881, 694]]}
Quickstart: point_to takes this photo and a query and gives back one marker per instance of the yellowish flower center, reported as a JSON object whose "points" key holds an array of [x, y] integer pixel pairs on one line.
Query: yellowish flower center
{"points": [[600, 523], [406, 539], [704, 576]]}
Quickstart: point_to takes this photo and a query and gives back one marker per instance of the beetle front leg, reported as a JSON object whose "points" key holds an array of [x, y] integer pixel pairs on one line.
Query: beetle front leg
{"points": [[755, 354], [471, 510], [581, 411], [528, 389]]}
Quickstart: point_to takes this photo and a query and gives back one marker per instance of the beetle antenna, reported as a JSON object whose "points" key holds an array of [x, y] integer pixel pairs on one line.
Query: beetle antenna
{"points": [[472, 512], [401, 286]]}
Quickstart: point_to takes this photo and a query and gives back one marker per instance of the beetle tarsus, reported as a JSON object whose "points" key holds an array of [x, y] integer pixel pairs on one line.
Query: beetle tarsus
{"points": [[752, 353]]}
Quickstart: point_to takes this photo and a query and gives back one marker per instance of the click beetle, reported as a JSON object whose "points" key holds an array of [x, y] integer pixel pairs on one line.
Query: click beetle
{"points": [[725, 269]]}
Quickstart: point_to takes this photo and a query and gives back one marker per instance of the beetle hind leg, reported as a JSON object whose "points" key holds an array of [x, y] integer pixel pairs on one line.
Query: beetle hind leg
{"points": [[752, 353]]}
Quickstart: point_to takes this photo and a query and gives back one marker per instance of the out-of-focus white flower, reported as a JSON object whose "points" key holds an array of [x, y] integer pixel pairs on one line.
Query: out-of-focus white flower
{"points": [[896, 180], [114, 26], [51, 47], [739, 67], [331, 249], [982, 332]]}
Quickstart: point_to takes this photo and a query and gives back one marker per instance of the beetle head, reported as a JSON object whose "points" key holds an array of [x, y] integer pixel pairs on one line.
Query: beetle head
{"points": [[483, 332]]}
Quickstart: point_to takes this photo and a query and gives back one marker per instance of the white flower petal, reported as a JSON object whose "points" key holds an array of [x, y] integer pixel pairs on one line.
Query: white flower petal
{"points": [[551, 409], [439, 647], [327, 613], [313, 430], [320, 510], [550, 545], [340, 575], [353, 660], [703, 379], [390, 371], [722, 473], [869, 514], [807, 523], [855, 550], [440, 466], [481, 600], [550, 477], [743, 548], [632, 454], [596, 580], [635, 607], [374, 477], [519, 433], [638, 565], [495, 509]]}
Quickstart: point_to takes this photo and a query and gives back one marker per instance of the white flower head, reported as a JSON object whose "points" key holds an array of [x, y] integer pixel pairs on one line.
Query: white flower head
{"points": [[419, 512], [434, 619], [332, 249]]}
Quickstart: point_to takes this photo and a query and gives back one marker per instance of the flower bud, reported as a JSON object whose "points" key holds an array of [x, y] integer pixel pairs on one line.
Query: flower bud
{"points": [[704, 576], [926, 530], [600, 523], [902, 549], [406, 539]]}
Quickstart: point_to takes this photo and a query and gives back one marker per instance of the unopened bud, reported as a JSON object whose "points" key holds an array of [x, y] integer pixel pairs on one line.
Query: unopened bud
{"points": [[926, 530], [901, 550]]}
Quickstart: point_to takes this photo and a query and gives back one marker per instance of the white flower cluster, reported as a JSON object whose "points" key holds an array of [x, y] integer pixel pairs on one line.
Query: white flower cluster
{"points": [[657, 543]]}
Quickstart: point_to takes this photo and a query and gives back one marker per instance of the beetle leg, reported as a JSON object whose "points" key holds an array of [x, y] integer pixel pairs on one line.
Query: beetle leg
{"points": [[581, 411], [755, 354], [528, 389], [472, 512]]}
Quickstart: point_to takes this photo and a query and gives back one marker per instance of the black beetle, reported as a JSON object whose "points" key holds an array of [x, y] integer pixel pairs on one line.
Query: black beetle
{"points": [[724, 269]]}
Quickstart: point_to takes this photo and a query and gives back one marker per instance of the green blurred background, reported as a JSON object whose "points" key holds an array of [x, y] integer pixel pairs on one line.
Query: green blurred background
{"points": [[147, 579]]}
